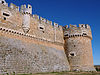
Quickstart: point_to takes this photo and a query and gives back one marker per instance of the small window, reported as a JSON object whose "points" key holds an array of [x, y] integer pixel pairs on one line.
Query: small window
{"points": [[66, 35], [74, 45], [84, 34], [5, 14], [41, 28], [72, 54], [4, 18], [29, 7], [82, 25], [2, 2]]}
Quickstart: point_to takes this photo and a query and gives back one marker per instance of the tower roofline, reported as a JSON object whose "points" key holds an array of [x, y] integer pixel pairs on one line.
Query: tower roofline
{"points": [[77, 31]]}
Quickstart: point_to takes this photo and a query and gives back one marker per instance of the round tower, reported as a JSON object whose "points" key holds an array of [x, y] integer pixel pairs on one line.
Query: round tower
{"points": [[78, 47], [26, 17]]}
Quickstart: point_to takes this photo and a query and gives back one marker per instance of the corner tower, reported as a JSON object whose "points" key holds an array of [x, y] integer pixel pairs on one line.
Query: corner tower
{"points": [[26, 17], [78, 47]]}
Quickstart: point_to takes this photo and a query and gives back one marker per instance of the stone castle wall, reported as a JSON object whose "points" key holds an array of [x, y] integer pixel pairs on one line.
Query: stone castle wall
{"points": [[78, 47], [38, 27], [31, 44], [24, 54], [79, 53], [33, 52]]}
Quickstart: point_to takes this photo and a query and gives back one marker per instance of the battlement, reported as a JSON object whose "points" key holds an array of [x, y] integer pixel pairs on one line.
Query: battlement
{"points": [[79, 26], [27, 23], [46, 22], [14, 7], [26, 10], [74, 30]]}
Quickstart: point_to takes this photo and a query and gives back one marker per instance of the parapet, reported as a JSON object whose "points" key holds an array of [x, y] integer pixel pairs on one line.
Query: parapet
{"points": [[49, 22], [14, 7], [36, 16], [55, 24], [42, 20], [22, 8], [74, 31]]}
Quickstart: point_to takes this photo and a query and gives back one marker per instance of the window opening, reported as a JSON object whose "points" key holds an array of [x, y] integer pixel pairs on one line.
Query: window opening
{"points": [[43, 31], [29, 7], [84, 34], [72, 54], [5, 14], [66, 35], [41, 28], [4, 18], [2, 2]]}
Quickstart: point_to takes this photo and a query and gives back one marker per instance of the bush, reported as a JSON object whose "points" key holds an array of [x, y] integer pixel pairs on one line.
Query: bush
{"points": [[97, 69]]}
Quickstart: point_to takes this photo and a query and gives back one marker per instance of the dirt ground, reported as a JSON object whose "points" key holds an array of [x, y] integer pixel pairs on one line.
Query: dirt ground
{"points": [[66, 73]]}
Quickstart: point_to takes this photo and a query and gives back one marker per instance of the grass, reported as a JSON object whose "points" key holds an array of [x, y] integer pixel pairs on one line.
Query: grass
{"points": [[66, 73]]}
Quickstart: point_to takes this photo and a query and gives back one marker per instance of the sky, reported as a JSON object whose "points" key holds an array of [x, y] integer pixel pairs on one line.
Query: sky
{"points": [[65, 12]]}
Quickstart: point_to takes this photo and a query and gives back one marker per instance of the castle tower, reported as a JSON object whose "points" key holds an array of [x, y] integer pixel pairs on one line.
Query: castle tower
{"points": [[78, 47], [26, 17]]}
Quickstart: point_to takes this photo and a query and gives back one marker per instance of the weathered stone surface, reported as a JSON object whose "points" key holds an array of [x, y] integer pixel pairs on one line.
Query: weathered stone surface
{"points": [[31, 44], [21, 57], [78, 49]]}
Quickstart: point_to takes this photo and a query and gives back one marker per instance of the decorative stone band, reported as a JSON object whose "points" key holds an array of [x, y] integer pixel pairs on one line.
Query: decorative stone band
{"points": [[28, 35], [77, 35], [26, 13]]}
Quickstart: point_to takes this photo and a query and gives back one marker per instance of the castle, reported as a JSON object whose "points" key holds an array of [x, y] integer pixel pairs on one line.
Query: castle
{"points": [[31, 44]]}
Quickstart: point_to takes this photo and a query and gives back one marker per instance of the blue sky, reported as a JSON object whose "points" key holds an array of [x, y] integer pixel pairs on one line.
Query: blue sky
{"points": [[67, 12]]}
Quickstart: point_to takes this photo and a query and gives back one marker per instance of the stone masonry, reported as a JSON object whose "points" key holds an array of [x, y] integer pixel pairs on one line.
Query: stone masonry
{"points": [[32, 44], [78, 47]]}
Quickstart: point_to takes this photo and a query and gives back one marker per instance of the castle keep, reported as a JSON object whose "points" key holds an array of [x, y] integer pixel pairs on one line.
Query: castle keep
{"points": [[31, 44]]}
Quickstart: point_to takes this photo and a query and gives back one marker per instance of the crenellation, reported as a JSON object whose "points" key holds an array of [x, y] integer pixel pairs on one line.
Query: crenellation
{"points": [[66, 26], [49, 22], [24, 6], [87, 26], [60, 28], [21, 9], [82, 30], [36, 17], [82, 25], [42, 20], [73, 26], [30, 8], [14, 7], [55, 25]]}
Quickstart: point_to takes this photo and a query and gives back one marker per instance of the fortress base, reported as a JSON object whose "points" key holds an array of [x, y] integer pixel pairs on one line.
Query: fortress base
{"points": [[17, 56]]}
